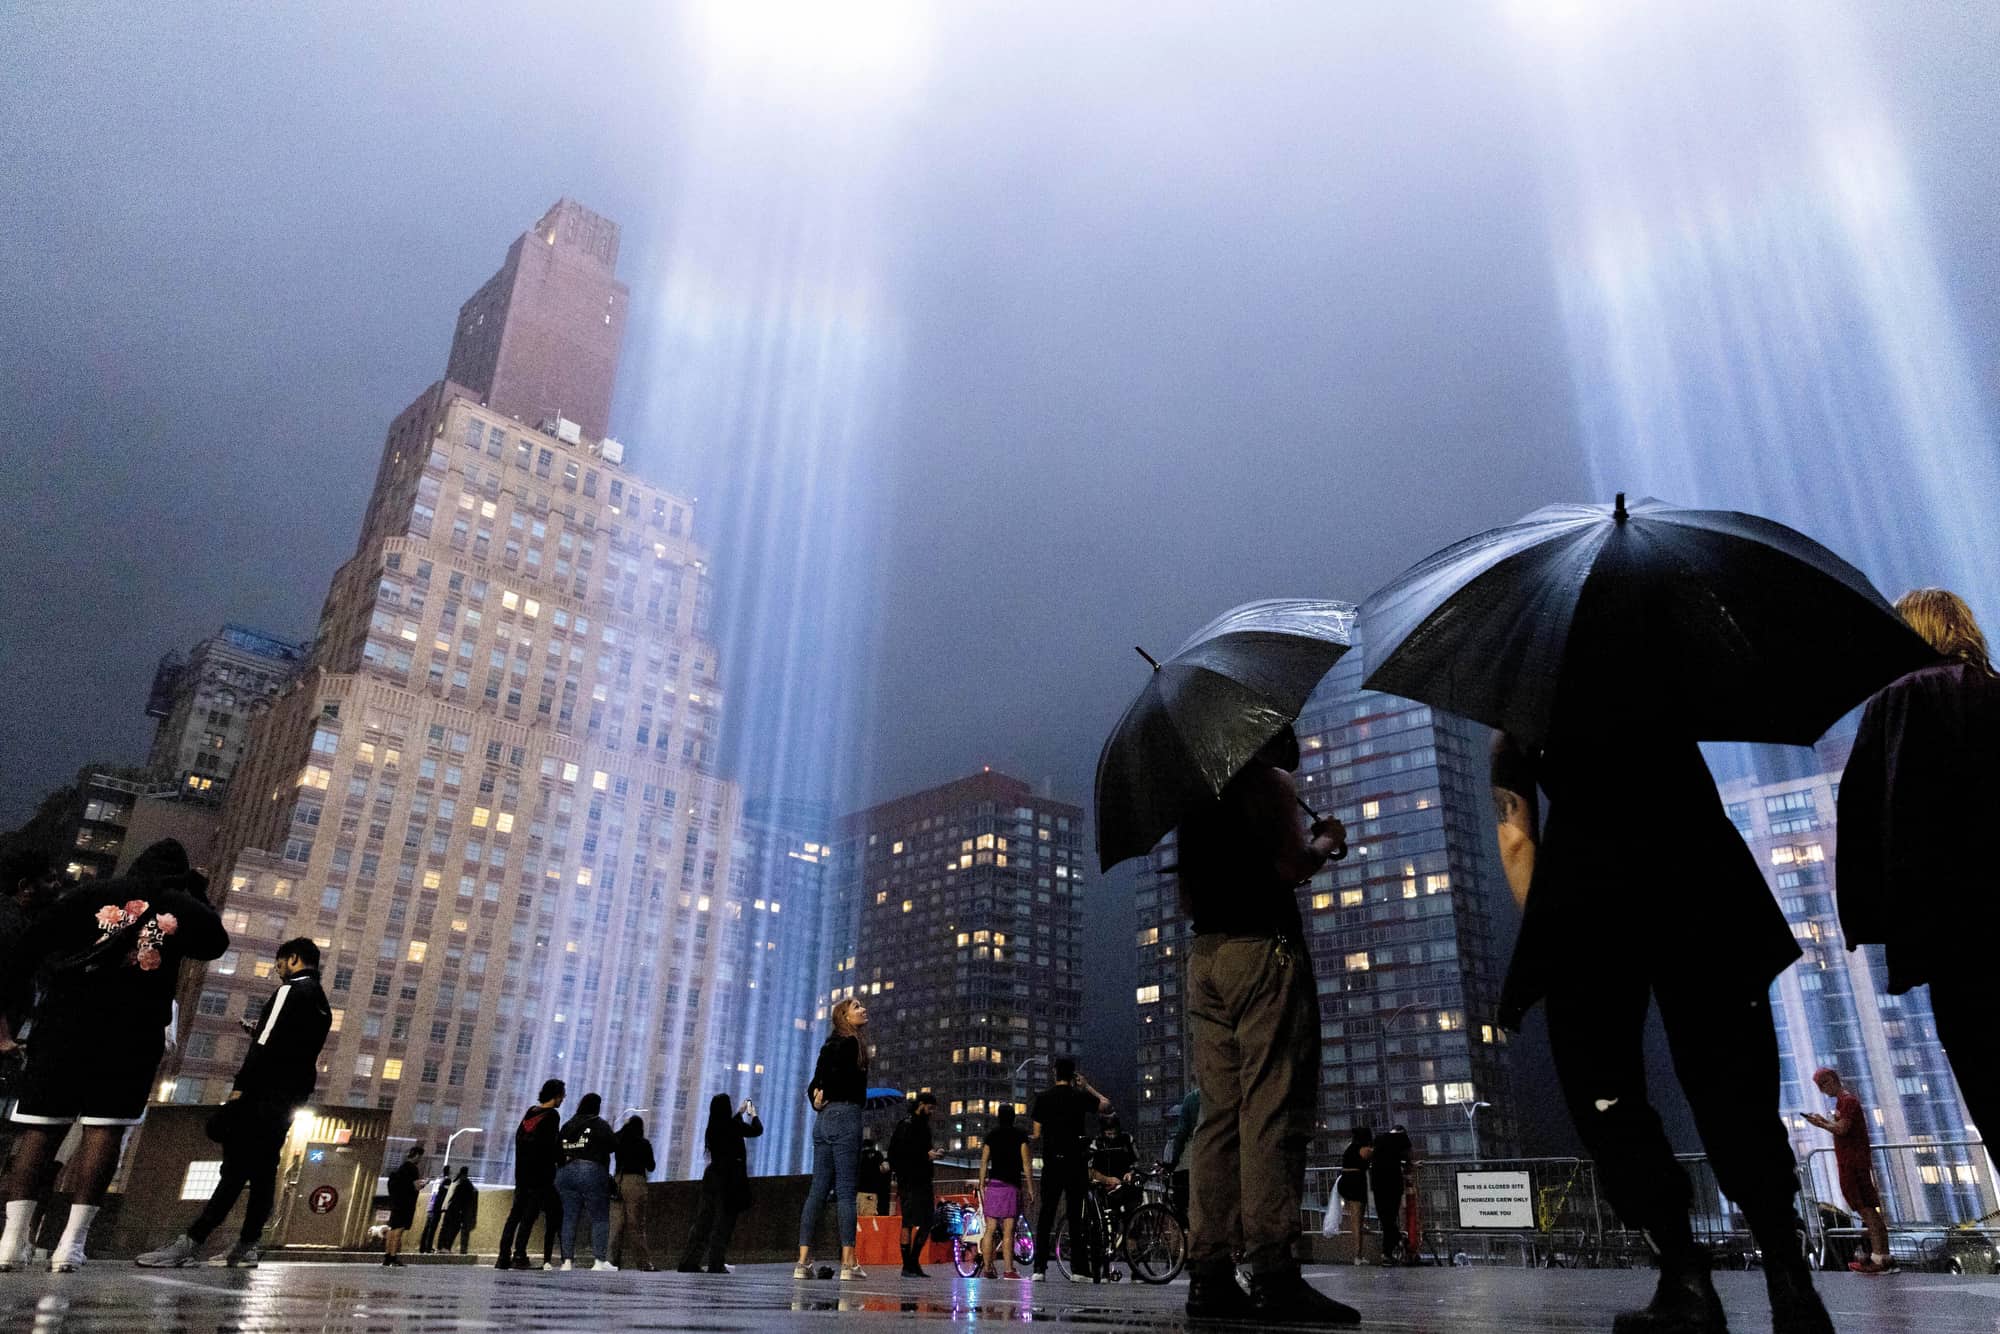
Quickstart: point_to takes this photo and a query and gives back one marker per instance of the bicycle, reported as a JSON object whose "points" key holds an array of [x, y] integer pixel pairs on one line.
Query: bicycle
{"points": [[965, 1242], [1150, 1238]]}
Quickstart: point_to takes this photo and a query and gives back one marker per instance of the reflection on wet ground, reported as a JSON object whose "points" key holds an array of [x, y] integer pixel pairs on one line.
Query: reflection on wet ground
{"points": [[359, 1299]]}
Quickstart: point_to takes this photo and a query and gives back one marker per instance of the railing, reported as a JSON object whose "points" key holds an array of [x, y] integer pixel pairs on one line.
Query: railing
{"points": [[1940, 1204]]}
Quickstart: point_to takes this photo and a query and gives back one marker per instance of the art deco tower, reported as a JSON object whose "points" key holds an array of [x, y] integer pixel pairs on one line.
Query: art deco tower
{"points": [[491, 795]]}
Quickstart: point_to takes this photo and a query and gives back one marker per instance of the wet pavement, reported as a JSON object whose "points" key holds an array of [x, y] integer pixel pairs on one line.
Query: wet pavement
{"points": [[366, 1299]]}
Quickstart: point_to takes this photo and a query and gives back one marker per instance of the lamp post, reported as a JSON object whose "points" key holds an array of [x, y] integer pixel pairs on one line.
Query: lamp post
{"points": [[445, 1171], [1472, 1116]]}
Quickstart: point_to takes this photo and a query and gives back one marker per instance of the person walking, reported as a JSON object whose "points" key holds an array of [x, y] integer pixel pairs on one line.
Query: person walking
{"points": [[1854, 1162], [1352, 1185], [838, 1091], [1059, 1123], [1253, 1016], [537, 1156], [276, 1078], [725, 1185], [1388, 1177], [404, 1184], [910, 1157], [461, 1213], [111, 953], [584, 1181], [1911, 869], [1603, 933], [628, 1218], [1006, 1186]]}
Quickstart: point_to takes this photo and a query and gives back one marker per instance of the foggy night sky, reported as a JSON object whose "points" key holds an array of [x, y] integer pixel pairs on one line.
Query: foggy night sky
{"points": [[1189, 308]]}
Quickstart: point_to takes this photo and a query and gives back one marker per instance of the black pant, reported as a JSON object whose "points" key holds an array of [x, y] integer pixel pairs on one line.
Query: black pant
{"points": [[249, 1158], [427, 1239], [1388, 1187], [708, 1239], [1961, 1008], [455, 1228], [530, 1199], [1067, 1180], [1725, 1052]]}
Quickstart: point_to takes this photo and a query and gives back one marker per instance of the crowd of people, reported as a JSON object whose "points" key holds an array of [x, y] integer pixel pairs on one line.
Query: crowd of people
{"points": [[1700, 936]]}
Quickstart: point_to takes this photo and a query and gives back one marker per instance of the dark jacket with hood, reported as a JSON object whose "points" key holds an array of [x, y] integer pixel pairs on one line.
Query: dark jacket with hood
{"points": [[538, 1148], [282, 1065]]}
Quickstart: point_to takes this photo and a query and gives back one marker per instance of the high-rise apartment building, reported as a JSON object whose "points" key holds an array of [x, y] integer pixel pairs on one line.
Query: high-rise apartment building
{"points": [[1402, 934], [491, 796], [205, 701], [957, 916], [1834, 1008], [540, 341]]}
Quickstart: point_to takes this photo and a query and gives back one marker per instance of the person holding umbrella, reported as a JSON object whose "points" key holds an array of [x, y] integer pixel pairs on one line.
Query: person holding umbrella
{"points": [[1208, 749], [1606, 642]]}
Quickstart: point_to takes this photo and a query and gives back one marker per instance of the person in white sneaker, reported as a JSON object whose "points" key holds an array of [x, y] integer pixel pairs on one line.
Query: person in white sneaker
{"points": [[113, 952]]}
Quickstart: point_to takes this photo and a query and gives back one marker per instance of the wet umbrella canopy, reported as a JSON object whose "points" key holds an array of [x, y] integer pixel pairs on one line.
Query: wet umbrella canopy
{"points": [[1718, 625], [1206, 711]]}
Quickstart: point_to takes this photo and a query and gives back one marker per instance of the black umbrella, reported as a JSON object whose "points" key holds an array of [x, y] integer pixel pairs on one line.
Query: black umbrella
{"points": [[1207, 711], [1719, 625]]}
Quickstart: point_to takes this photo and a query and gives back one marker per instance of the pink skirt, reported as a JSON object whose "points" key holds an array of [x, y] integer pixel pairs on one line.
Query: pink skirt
{"points": [[1002, 1202]]}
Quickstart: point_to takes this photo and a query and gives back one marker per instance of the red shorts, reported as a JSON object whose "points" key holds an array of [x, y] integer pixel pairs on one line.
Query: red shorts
{"points": [[1857, 1183]]}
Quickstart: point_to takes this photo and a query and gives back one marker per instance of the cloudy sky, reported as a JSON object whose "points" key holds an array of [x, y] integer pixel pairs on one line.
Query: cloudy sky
{"points": [[1113, 315]]}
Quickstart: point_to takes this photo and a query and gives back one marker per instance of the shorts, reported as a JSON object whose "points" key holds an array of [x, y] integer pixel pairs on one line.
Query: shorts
{"points": [[72, 1080], [402, 1215], [1858, 1185], [1002, 1201], [919, 1210]]}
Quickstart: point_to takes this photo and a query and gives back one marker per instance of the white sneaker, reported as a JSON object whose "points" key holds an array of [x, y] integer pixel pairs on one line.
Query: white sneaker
{"points": [[802, 1271], [547, 1265], [67, 1262], [176, 1254], [1039, 1276], [604, 1265], [568, 1265], [851, 1272]]}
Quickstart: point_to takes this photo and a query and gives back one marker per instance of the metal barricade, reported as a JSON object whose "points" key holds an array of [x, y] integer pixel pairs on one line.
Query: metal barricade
{"points": [[1569, 1227], [1940, 1203]]}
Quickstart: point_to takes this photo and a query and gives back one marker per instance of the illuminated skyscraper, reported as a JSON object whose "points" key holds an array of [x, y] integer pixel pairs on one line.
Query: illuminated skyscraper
{"points": [[490, 797], [957, 915], [1403, 934]]}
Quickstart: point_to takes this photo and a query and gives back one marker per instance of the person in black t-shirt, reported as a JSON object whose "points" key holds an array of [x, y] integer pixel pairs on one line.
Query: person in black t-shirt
{"points": [[404, 1183], [1253, 1018], [1059, 1124], [1388, 1169], [1006, 1185], [910, 1157]]}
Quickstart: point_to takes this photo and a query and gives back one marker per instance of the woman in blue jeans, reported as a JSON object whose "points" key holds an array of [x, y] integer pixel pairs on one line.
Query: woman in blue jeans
{"points": [[584, 1181], [838, 1090]]}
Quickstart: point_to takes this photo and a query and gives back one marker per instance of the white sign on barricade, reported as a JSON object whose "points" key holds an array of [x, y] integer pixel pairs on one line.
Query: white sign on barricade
{"points": [[1496, 1200]]}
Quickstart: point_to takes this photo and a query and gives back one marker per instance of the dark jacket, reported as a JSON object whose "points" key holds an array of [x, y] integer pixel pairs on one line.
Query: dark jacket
{"points": [[461, 1203], [839, 1073], [282, 1065], [95, 982], [1638, 868], [635, 1156], [538, 1150], [590, 1138], [1917, 800], [728, 1171], [403, 1190], [910, 1154], [1391, 1158]]}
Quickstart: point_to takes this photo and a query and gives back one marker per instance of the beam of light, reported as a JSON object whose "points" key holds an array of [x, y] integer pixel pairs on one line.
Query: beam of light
{"points": [[777, 354], [1755, 316]]}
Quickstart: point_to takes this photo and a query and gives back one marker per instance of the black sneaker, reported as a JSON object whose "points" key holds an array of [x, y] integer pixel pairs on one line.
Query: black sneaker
{"points": [[1683, 1303], [1285, 1298], [1218, 1296]]}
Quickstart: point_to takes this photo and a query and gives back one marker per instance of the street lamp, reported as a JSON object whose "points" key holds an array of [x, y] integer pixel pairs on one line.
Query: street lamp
{"points": [[445, 1171], [1472, 1117]]}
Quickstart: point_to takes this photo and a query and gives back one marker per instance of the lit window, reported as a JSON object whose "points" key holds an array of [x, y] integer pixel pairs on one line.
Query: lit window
{"points": [[392, 1068], [1357, 962], [1350, 898], [417, 951], [896, 849], [531, 607], [583, 875], [504, 822], [480, 815], [1150, 936], [907, 905], [432, 879], [201, 1180], [569, 773], [510, 600], [1149, 995], [600, 780], [1322, 900], [364, 1064], [315, 776]]}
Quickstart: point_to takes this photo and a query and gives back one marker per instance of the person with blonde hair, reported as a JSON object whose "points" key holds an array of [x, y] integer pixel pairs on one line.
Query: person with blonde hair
{"points": [[838, 1091], [1912, 870]]}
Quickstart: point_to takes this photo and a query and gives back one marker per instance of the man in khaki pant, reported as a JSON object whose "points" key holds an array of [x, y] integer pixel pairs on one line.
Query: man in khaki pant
{"points": [[1253, 1015]]}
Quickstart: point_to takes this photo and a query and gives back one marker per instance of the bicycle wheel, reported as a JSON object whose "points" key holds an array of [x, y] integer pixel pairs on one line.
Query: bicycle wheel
{"points": [[965, 1256], [1059, 1246], [1155, 1243]]}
